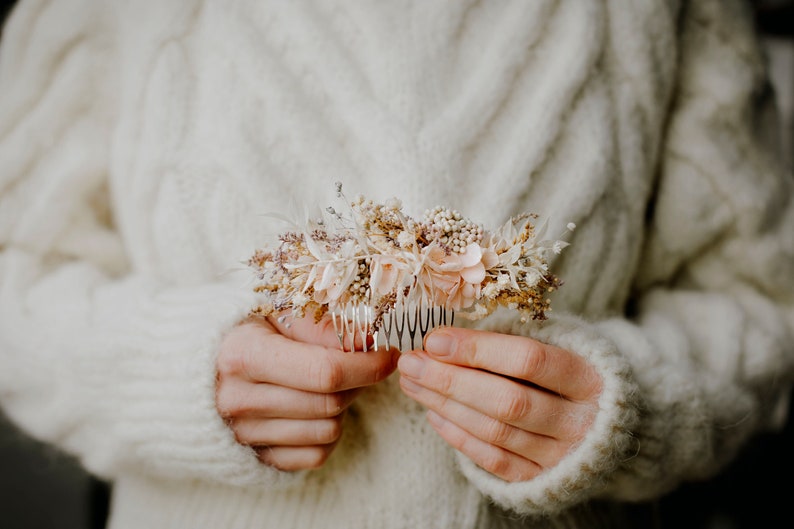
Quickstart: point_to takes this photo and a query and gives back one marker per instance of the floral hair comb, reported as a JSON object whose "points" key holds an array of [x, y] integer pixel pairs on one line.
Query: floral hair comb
{"points": [[385, 276]]}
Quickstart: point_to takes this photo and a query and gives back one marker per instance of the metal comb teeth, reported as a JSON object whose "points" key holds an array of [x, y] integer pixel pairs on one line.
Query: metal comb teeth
{"points": [[405, 326]]}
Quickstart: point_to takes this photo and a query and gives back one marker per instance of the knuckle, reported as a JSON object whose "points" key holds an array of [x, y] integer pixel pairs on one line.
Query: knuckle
{"points": [[444, 404], [513, 406], [224, 403], [234, 348], [235, 363], [497, 463], [328, 431], [275, 458], [229, 362], [467, 346], [265, 455], [228, 402], [242, 432], [534, 361], [328, 374], [442, 380], [248, 363], [332, 404], [498, 433]]}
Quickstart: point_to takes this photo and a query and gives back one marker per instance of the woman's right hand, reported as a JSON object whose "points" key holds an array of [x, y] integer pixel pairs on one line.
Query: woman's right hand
{"points": [[283, 389]]}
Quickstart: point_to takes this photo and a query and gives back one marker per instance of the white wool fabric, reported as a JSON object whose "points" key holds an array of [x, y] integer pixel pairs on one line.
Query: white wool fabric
{"points": [[142, 142]]}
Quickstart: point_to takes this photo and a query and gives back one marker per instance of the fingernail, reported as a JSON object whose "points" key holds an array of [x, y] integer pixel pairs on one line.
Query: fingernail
{"points": [[411, 365], [440, 342]]}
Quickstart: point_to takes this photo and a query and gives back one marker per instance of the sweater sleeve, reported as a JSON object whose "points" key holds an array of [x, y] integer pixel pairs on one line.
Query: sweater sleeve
{"points": [[108, 363], [712, 346], [703, 359]]}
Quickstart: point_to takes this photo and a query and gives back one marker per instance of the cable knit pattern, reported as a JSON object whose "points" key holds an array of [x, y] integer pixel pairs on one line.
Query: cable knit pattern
{"points": [[141, 142]]}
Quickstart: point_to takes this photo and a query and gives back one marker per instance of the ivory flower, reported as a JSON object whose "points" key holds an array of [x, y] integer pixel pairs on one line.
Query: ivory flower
{"points": [[386, 272]]}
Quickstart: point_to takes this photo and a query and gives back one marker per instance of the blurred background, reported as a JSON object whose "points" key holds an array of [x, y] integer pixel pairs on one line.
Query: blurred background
{"points": [[43, 489]]}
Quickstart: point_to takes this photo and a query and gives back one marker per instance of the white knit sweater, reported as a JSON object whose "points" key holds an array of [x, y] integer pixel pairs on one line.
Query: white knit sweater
{"points": [[141, 141]]}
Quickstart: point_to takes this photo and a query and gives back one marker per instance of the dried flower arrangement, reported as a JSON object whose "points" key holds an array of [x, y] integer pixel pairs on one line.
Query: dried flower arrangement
{"points": [[379, 271]]}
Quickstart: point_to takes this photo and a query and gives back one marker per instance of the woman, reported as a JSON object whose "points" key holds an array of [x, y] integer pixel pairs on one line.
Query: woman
{"points": [[140, 145]]}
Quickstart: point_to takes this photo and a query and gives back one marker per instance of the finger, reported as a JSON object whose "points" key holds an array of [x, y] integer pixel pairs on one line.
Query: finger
{"points": [[292, 458], [544, 450], [508, 401], [320, 332], [556, 369], [496, 460], [240, 399], [287, 432], [262, 355]]}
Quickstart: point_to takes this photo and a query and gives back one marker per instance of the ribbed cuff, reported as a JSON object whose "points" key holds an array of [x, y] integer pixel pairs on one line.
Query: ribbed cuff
{"points": [[679, 436]]}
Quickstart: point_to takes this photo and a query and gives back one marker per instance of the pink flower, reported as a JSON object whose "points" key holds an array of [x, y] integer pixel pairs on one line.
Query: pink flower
{"points": [[434, 274], [475, 262], [453, 279]]}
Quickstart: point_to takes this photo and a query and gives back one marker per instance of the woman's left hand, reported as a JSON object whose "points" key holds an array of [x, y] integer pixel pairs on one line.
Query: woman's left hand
{"points": [[513, 405]]}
